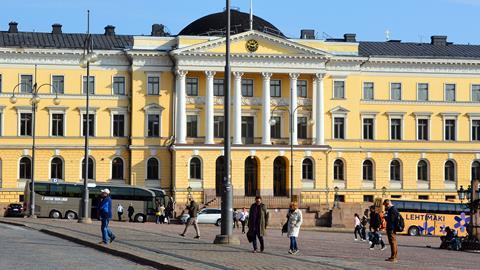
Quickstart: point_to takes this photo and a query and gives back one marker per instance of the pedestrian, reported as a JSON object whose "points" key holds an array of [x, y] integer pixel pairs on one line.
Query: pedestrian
{"points": [[162, 213], [375, 224], [257, 223], [130, 211], [105, 208], [364, 222], [295, 220], [236, 219], [358, 227], [243, 218], [192, 219], [392, 217], [157, 211], [169, 211], [119, 212]]}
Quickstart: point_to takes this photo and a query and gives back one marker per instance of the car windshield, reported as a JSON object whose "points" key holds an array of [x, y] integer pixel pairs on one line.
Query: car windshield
{"points": [[15, 205]]}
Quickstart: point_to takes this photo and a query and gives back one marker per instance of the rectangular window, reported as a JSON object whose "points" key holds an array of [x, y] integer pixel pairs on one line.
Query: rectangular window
{"points": [[91, 85], [192, 87], [302, 88], [118, 125], [276, 129], [218, 85], [450, 198], [368, 198], [396, 196], [450, 92], [275, 88], [153, 85], [339, 128], [475, 130], [396, 129], [368, 127], [119, 86], [423, 197], [58, 84], [57, 124], [395, 91], [26, 83], [153, 125], [247, 87], [422, 92], [91, 124], [192, 126], [422, 129], [450, 129], [25, 124], [338, 89], [218, 126], [475, 92], [302, 127], [368, 91]]}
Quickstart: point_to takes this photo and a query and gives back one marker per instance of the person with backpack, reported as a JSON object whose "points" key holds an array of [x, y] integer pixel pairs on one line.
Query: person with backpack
{"points": [[392, 218], [375, 224]]}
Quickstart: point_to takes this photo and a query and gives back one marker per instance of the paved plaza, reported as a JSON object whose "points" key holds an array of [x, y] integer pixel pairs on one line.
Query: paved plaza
{"points": [[319, 249]]}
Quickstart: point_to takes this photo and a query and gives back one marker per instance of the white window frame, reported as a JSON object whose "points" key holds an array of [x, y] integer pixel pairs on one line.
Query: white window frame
{"points": [[125, 85], [124, 168], [396, 115], [20, 110], [450, 116], [119, 111], [64, 83], [428, 92], [94, 84], [198, 85], [202, 173], [20, 81], [149, 109], [197, 114], [344, 88], [445, 92], [471, 91], [363, 90], [455, 170], [159, 169], [428, 171], [94, 173], [401, 91], [427, 116], [313, 169], [339, 115], [2, 118], [149, 75], [91, 111], [369, 115], [279, 114], [50, 167], [471, 117], [57, 110], [306, 87]]}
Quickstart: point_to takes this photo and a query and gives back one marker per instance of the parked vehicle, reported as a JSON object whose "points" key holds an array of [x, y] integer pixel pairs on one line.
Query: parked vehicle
{"points": [[206, 216], [14, 210]]}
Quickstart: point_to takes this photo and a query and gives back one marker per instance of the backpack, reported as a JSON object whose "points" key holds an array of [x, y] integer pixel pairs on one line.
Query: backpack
{"points": [[364, 221], [400, 226]]}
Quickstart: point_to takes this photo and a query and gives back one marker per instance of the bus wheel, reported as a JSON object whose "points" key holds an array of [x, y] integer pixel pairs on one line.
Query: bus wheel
{"points": [[413, 231], [70, 215], [55, 214], [140, 218]]}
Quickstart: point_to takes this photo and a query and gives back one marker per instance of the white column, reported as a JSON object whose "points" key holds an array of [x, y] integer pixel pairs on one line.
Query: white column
{"points": [[320, 115], [293, 106], [237, 108], [266, 108], [181, 128], [314, 110], [209, 104]]}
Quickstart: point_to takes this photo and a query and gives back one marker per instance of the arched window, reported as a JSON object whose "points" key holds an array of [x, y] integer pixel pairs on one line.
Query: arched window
{"points": [[195, 168], [449, 171], [307, 169], [395, 170], [56, 168], [152, 169], [25, 168], [91, 168], [338, 170], [219, 169], [476, 170], [117, 169], [251, 176], [279, 177], [422, 170], [367, 170]]}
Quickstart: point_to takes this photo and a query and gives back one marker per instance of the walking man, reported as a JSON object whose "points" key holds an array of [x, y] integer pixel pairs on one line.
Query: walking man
{"points": [[120, 212], [192, 219], [257, 223], [130, 211], [375, 224], [392, 221], [105, 216]]}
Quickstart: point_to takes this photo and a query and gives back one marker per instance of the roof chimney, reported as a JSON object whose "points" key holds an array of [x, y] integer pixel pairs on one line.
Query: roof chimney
{"points": [[350, 37], [56, 28], [158, 30], [307, 34], [438, 40], [13, 27], [109, 30]]}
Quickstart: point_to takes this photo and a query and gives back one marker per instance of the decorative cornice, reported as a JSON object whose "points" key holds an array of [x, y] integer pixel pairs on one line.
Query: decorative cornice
{"points": [[252, 101], [415, 102], [196, 100]]}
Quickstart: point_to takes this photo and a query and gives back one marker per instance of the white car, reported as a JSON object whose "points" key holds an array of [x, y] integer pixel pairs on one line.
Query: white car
{"points": [[206, 216]]}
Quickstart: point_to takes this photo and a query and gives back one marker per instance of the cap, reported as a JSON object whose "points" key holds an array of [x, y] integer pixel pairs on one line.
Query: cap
{"points": [[105, 191]]}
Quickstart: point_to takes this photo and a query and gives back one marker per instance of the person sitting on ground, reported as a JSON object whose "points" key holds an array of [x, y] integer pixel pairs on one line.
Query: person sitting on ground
{"points": [[447, 239]]}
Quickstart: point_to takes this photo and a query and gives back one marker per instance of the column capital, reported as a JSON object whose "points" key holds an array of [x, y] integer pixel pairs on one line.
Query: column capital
{"points": [[181, 72], [210, 73], [238, 75], [266, 75], [320, 76], [294, 75]]}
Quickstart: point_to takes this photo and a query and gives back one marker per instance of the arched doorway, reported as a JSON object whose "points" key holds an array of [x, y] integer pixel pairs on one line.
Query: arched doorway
{"points": [[219, 169], [251, 176], [279, 177]]}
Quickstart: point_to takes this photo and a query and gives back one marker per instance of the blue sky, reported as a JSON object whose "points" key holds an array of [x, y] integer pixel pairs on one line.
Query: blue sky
{"points": [[408, 20]]}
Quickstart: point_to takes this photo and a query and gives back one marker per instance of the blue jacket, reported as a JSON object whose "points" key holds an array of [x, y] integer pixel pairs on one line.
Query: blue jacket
{"points": [[106, 208], [392, 218]]}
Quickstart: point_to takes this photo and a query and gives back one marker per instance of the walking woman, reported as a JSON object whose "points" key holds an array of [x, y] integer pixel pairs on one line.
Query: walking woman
{"points": [[295, 220], [358, 227]]}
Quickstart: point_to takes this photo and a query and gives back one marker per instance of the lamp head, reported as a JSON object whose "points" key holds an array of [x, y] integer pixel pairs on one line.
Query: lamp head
{"points": [[310, 122], [272, 122], [336, 189], [83, 62], [13, 99], [461, 193], [92, 57], [56, 101], [36, 100]]}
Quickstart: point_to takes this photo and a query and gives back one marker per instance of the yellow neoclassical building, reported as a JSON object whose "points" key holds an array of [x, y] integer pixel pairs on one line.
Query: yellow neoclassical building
{"points": [[392, 118]]}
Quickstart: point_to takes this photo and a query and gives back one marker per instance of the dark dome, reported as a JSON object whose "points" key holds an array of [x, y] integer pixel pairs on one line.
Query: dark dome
{"points": [[214, 25]]}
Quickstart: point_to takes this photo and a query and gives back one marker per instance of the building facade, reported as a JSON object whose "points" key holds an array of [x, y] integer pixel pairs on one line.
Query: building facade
{"points": [[370, 119]]}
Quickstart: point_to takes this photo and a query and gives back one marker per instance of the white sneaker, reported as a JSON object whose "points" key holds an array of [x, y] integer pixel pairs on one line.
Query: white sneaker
{"points": [[356, 239], [370, 243], [372, 248], [383, 248], [295, 252], [290, 251]]}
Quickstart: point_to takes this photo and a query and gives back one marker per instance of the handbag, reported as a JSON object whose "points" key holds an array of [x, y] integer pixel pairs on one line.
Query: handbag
{"points": [[250, 236], [285, 228]]}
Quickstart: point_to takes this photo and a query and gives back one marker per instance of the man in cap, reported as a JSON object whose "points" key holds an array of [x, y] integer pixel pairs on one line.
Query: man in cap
{"points": [[105, 209]]}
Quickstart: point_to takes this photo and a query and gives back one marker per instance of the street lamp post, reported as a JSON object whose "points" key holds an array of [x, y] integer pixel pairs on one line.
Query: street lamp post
{"points": [[34, 101], [189, 193], [88, 57]]}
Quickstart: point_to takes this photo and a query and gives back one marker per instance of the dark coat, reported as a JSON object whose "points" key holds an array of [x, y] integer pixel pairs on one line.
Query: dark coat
{"points": [[106, 208], [262, 219], [375, 221], [392, 218], [193, 209]]}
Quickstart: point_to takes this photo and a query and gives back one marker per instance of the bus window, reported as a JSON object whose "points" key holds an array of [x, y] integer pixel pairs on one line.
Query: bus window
{"points": [[412, 206], [399, 205], [462, 208], [121, 193], [446, 208], [57, 190], [429, 207], [41, 188], [142, 195], [73, 191], [94, 192]]}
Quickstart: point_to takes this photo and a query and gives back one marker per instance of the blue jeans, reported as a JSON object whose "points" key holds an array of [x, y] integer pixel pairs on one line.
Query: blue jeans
{"points": [[107, 234], [293, 243]]}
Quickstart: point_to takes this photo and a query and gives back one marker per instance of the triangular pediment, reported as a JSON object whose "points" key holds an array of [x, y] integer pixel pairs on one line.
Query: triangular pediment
{"points": [[262, 43], [339, 110]]}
